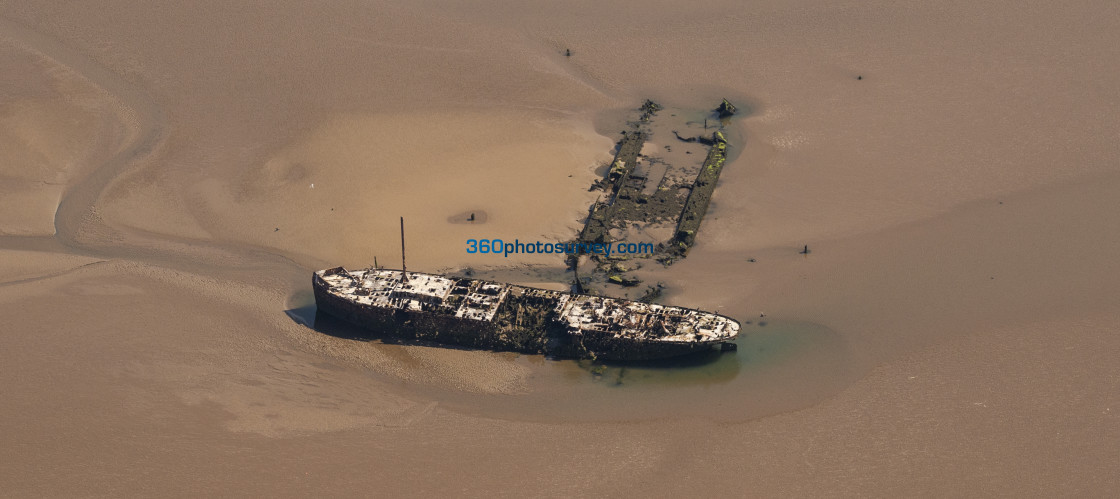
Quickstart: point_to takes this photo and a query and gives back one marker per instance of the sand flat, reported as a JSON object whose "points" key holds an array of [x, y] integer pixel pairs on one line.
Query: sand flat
{"points": [[53, 126], [959, 200]]}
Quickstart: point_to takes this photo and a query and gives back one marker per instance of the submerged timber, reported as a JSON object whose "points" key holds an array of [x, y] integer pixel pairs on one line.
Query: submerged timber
{"points": [[496, 316]]}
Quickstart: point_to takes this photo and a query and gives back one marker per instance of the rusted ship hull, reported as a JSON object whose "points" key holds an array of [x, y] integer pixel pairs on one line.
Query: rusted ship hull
{"points": [[509, 328]]}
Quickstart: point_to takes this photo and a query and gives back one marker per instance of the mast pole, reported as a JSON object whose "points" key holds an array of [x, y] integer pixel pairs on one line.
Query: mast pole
{"points": [[404, 270]]}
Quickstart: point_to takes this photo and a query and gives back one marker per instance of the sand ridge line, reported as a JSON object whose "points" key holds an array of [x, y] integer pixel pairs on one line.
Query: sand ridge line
{"points": [[140, 109], [50, 275], [78, 223]]}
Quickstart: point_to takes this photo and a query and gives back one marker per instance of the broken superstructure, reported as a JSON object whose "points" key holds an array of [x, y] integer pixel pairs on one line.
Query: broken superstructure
{"points": [[490, 315]]}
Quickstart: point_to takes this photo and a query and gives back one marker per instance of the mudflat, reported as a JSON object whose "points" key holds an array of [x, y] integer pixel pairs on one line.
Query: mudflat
{"points": [[171, 174]]}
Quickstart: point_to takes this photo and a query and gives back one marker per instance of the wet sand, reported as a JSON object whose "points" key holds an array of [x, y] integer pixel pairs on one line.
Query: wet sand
{"points": [[170, 176]]}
